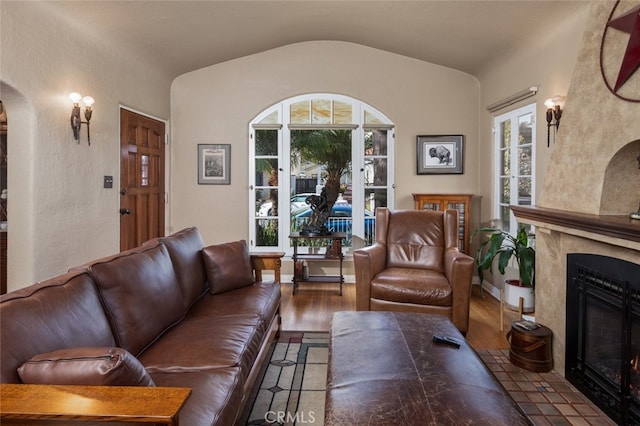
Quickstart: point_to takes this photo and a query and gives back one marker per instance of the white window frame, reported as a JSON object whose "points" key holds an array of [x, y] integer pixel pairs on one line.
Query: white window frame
{"points": [[514, 175], [284, 163]]}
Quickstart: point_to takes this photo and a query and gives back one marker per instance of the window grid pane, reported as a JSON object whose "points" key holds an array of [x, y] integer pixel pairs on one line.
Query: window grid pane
{"points": [[266, 232], [505, 190], [525, 129], [505, 133], [144, 170]]}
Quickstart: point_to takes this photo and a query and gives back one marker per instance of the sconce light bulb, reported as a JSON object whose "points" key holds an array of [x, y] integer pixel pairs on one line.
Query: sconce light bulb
{"points": [[88, 101], [75, 97], [549, 103]]}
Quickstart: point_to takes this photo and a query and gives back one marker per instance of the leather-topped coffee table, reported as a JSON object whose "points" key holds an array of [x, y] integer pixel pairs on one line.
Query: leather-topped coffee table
{"points": [[385, 369]]}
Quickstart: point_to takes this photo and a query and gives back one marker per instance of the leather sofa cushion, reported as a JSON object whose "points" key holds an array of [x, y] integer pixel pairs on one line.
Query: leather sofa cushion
{"points": [[64, 311], [415, 239], [141, 295], [185, 250], [95, 366], [262, 299], [215, 394], [406, 285], [228, 266], [231, 341]]}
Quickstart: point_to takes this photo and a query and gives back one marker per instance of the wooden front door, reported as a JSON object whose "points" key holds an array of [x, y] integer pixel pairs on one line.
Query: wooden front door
{"points": [[142, 195]]}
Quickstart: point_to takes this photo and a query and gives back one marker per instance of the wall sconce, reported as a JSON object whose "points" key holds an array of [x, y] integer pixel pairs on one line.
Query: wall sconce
{"points": [[76, 122], [554, 112]]}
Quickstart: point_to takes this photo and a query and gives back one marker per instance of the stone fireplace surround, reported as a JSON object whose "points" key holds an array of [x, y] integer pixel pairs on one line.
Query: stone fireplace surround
{"points": [[559, 233], [593, 181]]}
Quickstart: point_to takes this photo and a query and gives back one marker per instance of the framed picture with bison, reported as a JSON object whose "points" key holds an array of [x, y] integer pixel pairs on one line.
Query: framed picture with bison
{"points": [[439, 154]]}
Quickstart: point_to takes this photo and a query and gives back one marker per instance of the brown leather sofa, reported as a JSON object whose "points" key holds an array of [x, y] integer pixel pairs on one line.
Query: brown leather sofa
{"points": [[415, 266], [170, 313]]}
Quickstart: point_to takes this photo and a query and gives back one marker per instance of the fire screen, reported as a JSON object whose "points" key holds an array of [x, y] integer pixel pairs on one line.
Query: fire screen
{"points": [[603, 333]]}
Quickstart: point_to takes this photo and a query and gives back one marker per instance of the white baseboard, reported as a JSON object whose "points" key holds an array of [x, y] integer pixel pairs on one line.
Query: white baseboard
{"points": [[489, 288], [288, 278]]}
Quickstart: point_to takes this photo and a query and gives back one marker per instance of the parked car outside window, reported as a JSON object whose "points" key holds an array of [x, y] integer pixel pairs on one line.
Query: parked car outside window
{"points": [[339, 221], [296, 203]]}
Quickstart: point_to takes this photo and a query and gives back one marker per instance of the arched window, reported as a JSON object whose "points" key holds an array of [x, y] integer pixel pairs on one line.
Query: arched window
{"points": [[311, 142]]}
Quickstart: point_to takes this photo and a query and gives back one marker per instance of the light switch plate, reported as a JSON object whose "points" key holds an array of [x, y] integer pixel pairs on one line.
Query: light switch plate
{"points": [[108, 181]]}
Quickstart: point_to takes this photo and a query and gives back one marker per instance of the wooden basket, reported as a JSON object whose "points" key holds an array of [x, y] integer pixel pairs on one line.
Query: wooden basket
{"points": [[531, 349]]}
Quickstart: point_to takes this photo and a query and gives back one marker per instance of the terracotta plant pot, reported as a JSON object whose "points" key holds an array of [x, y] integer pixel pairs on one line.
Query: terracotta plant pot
{"points": [[513, 291]]}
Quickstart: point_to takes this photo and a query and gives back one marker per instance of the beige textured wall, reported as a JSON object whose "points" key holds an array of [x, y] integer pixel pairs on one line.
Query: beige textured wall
{"points": [[547, 63], [595, 126], [216, 104], [59, 214]]}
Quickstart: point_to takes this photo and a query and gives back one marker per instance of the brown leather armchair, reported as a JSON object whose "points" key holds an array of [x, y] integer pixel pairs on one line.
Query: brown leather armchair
{"points": [[415, 266]]}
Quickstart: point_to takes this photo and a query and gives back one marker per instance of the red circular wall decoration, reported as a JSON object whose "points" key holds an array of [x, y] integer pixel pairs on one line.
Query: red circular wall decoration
{"points": [[628, 22]]}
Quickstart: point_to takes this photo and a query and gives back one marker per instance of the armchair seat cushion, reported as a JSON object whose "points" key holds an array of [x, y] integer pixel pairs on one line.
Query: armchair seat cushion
{"points": [[407, 285]]}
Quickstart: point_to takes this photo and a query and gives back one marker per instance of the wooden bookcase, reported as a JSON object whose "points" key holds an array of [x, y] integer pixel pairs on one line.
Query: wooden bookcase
{"points": [[468, 206]]}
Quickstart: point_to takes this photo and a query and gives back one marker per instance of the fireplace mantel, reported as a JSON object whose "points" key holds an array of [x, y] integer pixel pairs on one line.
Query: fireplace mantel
{"points": [[617, 227], [560, 233]]}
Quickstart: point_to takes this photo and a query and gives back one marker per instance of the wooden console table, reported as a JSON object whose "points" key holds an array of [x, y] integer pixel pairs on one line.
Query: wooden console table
{"points": [[335, 254], [44, 404]]}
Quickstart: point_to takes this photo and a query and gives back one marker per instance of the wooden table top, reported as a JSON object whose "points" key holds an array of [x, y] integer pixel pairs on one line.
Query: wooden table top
{"points": [[92, 403]]}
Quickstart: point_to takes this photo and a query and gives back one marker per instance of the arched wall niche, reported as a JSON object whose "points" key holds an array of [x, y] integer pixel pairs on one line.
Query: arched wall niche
{"points": [[20, 186], [621, 184]]}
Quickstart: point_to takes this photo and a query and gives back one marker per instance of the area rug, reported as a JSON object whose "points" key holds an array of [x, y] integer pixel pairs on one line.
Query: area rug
{"points": [[293, 383]]}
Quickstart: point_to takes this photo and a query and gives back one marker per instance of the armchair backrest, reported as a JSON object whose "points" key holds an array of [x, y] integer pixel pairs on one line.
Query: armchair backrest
{"points": [[416, 238]]}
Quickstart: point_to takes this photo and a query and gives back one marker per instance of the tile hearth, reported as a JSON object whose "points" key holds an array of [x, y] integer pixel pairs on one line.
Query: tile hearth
{"points": [[547, 398]]}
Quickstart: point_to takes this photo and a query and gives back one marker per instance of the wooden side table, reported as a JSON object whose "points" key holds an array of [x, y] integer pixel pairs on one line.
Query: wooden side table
{"points": [[270, 261]]}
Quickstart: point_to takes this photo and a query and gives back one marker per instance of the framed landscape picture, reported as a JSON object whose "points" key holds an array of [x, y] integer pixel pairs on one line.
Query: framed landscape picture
{"points": [[439, 154], [214, 164]]}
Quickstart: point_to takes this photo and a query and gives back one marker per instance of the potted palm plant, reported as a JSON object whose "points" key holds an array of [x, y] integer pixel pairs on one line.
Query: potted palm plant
{"points": [[503, 245]]}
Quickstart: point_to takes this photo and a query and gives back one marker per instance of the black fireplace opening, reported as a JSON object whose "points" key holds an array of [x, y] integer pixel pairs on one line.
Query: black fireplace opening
{"points": [[603, 333]]}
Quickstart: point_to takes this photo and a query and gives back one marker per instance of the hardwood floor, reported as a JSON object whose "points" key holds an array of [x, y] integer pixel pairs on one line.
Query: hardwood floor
{"points": [[311, 308]]}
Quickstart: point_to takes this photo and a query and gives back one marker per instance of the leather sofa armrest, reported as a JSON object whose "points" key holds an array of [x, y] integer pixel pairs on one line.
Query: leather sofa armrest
{"points": [[41, 404], [368, 262], [270, 261], [458, 268]]}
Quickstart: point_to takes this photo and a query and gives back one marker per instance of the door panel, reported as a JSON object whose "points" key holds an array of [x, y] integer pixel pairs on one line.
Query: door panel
{"points": [[515, 144], [141, 179]]}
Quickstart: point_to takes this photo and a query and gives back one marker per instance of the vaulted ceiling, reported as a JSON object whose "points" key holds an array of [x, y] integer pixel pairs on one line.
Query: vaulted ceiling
{"points": [[184, 35]]}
